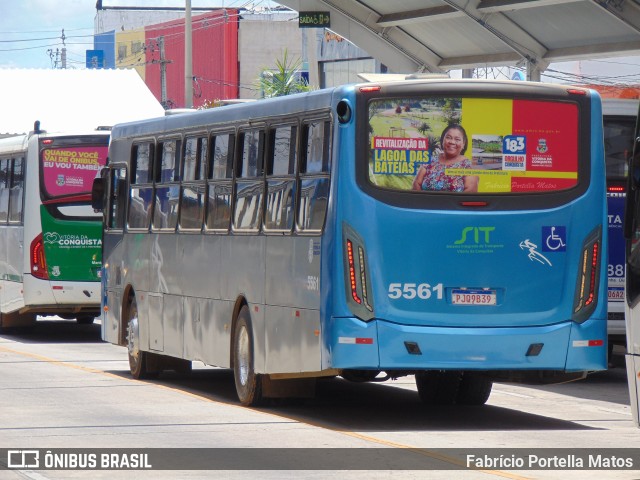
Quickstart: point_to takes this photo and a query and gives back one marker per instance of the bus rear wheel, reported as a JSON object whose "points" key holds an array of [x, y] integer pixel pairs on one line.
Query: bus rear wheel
{"points": [[438, 387], [248, 383], [474, 389], [138, 359]]}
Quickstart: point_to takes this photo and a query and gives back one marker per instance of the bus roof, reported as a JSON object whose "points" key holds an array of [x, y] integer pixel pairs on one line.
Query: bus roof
{"points": [[315, 99], [17, 143], [620, 106]]}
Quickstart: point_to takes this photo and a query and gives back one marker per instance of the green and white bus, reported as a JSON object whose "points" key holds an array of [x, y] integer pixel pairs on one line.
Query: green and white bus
{"points": [[50, 237]]}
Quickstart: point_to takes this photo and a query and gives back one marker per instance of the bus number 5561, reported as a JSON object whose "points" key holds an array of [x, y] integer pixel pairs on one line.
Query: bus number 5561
{"points": [[409, 291]]}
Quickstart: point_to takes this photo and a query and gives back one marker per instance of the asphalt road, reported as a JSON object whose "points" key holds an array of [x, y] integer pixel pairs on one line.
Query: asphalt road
{"points": [[62, 387]]}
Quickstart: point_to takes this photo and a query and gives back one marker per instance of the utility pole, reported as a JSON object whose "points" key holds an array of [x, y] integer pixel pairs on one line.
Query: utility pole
{"points": [[64, 51], [164, 101], [188, 68], [163, 73]]}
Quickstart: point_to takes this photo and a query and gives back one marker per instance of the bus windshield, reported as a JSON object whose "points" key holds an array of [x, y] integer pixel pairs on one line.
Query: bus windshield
{"points": [[70, 170], [473, 145], [618, 143]]}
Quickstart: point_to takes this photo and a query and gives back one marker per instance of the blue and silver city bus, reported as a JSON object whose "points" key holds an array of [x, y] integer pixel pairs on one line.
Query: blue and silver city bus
{"points": [[451, 230], [619, 119], [632, 278]]}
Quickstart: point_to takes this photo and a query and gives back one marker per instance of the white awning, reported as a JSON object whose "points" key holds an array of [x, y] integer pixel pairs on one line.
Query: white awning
{"points": [[64, 100]]}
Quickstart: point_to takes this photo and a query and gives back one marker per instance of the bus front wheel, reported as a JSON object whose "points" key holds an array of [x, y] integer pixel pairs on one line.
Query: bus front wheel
{"points": [[138, 359], [248, 383]]}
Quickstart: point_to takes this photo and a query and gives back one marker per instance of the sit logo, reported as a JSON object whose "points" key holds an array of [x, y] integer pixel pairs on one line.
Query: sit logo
{"points": [[476, 233]]}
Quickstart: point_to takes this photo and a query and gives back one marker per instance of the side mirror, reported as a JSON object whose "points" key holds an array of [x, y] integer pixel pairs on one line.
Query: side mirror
{"points": [[97, 194]]}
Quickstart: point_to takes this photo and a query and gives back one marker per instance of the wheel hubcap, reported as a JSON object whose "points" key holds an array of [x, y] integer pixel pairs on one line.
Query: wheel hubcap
{"points": [[243, 355], [133, 339]]}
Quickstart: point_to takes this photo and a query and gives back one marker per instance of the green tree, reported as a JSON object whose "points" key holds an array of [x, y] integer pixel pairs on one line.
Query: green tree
{"points": [[284, 80], [424, 128], [451, 111]]}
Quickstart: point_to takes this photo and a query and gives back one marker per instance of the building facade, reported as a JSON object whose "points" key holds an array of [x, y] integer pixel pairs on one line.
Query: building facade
{"points": [[231, 49]]}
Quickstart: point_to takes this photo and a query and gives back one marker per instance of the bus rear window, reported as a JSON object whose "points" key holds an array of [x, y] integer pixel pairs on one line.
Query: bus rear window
{"points": [[70, 170], [473, 145]]}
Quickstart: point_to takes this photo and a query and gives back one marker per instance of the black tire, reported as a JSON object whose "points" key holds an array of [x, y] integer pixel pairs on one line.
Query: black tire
{"points": [[474, 389], [85, 320], [139, 361], [248, 383], [437, 387], [610, 363]]}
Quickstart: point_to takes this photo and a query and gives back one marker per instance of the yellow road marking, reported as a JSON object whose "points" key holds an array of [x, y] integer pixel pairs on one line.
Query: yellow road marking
{"points": [[421, 451]]}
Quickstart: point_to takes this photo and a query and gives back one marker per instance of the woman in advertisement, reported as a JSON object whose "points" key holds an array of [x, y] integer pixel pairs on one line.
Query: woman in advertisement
{"points": [[433, 176]]}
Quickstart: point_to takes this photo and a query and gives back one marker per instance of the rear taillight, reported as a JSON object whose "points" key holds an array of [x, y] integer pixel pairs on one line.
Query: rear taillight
{"points": [[358, 282], [586, 296], [353, 282], [38, 261]]}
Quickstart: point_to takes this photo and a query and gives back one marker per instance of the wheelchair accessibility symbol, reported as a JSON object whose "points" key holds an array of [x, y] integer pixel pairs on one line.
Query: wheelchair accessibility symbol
{"points": [[554, 239]]}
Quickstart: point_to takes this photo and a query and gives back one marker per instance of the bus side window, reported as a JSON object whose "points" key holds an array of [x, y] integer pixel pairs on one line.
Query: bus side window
{"points": [[140, 203], [315, 168], [193, 188], [167, 191], [16, 197], [220, 174], [249, 182], [281, 180], [117, 198], [5, 175]]}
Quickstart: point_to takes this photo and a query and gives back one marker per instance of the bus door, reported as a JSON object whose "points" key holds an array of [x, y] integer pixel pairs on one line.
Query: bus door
{"points": [[632, 234]]}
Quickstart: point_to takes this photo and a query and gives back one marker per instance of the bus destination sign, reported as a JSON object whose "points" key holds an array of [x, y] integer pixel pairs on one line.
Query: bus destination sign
{"points": [[314, 19]]}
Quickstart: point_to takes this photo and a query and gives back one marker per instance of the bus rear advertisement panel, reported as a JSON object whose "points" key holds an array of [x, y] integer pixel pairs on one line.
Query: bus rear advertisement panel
{"points": [[528, 146], [451, 230], [72, 246]]}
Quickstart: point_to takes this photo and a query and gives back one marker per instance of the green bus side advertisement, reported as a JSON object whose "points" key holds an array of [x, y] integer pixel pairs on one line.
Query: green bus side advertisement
{"points": [[73, 248]]}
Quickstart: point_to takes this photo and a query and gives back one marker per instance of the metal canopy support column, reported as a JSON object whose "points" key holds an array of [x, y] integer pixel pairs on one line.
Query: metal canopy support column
{"points": [[467, 73], [533, 72]]}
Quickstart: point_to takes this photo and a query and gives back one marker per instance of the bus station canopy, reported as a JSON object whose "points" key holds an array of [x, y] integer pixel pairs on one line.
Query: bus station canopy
{"points": [[78, 100], [440, 35]]}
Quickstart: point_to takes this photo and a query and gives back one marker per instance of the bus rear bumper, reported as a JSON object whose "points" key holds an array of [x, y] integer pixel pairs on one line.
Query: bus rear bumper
{"points": [[45, 296], [383, 345]]}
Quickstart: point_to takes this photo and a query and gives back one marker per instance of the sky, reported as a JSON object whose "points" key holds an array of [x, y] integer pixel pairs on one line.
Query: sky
{"points": [[31, 36], [31, 30]]}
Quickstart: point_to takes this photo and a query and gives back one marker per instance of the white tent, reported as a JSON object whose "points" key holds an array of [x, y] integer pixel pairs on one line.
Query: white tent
{"points": [[64, 100]]}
